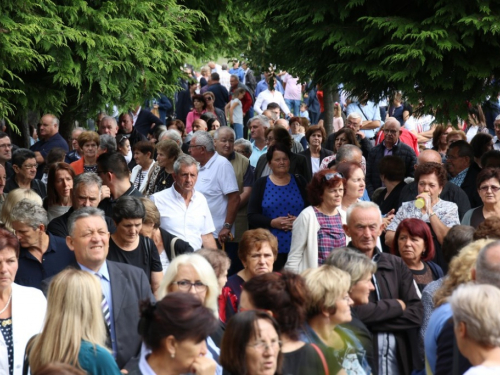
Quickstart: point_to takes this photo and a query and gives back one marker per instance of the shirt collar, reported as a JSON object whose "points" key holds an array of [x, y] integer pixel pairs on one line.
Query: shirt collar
{"points": [[210, 161], [178, 195], [103, 271], [395, 144]]}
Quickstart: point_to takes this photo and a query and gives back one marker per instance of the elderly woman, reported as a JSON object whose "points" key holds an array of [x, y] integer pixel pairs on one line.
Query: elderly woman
{"points": [[477, 326], [25, 166], [252, 345], [200, 105], [73, 333], [59, 190], [191, 273], [89, 143], [277, 200], [488, 186], [459, 273], [315, 154], [318, 228], [160, 177], [13, 198], [345, 136], [174, 330], [361, 269], [258, 250], [143, 156], [439, 214], [298, 163], [413, 243], [167, 244], [328, 308], [22, 309], [42, 254], [128, 246], [285, 295]]}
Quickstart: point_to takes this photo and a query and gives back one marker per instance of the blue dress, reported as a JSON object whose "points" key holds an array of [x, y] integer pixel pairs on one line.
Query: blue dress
{"points": [[281, 201]]}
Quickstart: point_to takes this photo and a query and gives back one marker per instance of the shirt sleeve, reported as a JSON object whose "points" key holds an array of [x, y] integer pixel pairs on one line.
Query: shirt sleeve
{"points": [[248, 178], [227, 179], [155, 258]]}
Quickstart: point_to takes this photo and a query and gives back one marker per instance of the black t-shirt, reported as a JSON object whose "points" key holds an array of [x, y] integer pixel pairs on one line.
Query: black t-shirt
{"points": [[145, 256]]}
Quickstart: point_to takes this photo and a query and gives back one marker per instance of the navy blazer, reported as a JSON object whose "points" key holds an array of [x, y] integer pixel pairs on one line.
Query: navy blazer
{"points": [[144, 122], [129, 286]]}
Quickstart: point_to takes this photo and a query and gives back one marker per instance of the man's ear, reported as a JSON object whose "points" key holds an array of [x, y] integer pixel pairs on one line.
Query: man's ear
{"points": [[346, 230], [69, 243]]}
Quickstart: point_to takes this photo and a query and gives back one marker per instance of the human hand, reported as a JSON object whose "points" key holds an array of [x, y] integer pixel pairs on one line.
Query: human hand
{"points": [[403, 305], [428, 202], [203, 366], [105, 192], [224, 235], [361, 134], [283, 223], [387, 219]]}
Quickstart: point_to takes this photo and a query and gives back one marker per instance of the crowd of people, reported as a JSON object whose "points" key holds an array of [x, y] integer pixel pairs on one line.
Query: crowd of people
{"points": [[240, 238]]}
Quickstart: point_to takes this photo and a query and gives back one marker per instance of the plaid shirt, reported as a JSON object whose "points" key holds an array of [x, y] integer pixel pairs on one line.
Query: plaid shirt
{"points": [[330, 234]]}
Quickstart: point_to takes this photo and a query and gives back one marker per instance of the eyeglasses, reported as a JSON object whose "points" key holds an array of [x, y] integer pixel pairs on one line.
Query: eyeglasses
{"points": [[263, 346], [494, 189], [186, 285], [329, 176], [6, 145], [30, 166], [393, 132]]}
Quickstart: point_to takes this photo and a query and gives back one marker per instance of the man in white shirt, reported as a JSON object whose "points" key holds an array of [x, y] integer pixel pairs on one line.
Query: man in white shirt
{"points": [[217, 182], [184, 211], [225, 77], [270, 96]]}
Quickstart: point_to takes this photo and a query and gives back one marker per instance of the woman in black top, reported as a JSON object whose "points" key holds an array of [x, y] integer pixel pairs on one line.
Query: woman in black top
{"points": [[160, 177]]}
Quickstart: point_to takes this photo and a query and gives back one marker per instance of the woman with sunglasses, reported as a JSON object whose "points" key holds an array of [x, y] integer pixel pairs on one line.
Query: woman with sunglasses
{"points": [[210, 108], [488, 186], [318, 228]]}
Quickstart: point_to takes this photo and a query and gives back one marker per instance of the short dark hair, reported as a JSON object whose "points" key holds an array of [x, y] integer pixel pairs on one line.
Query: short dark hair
{"points": [[3, 134], [200, 98], [240, 329], [21, 155], [491, 159], [480, 144], [145, 147], [415, 228], [114, 162], [215, 77], [181, 315], [392, 167], [273, 105], [281, 135], [8, 239], [277, 147], [285, 294], [457, 237], [464, 150], [313, 129], [128, 207], [486, 174], [432, 168], [319, 183]]}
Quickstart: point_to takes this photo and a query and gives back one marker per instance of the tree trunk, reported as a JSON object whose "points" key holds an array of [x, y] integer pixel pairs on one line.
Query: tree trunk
{"points": [[330, 95]]}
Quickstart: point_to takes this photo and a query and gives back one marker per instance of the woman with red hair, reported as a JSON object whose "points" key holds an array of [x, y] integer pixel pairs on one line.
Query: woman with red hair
{"points": [[413, 243]]}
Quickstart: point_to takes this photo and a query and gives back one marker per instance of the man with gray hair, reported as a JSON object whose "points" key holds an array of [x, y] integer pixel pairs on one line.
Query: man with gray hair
{"points": [[394, 311], [86, 193], [108, 125], [353, 122], [217, 182], [243, 147], [76, 153], [184, 210], [42, 254], [123, 286], [108, 144], [258, 126]]}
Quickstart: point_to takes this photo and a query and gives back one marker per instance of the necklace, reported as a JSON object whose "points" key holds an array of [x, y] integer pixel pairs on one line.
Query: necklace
{"points": [[7, 305]]}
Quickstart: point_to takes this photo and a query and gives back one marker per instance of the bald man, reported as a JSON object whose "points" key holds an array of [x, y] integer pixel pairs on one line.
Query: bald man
{"points": [[450, 193]]}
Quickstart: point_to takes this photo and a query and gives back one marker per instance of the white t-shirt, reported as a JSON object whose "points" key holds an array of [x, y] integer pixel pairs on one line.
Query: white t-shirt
{"points": [[237, 112], [483, 370], [188, 223], [216, 179], [315, 165]]}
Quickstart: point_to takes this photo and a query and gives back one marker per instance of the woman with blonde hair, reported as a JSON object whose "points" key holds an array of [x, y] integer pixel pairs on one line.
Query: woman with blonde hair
{"points": [[74, 331], [459, 272], [14, 197], [329, 306]]}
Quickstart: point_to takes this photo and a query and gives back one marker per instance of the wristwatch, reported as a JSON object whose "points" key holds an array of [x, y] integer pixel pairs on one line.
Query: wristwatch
{"points": [[228, 226]]}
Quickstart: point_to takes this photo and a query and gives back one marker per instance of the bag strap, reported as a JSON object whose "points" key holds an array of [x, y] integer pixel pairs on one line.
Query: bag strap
{"points": [[361, 109], [27, 351], [172, 248], [147, 250], [322, 357]]}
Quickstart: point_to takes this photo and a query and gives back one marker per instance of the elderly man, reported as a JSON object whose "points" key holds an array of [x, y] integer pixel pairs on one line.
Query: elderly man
{"points": [[107, 144], [24, 164], [42, 254], [6, 154], [258, 126], [463, 170], [224, 145], [49, 136], [353, 122], [108, 125], [184, 211], [123, 286], [217, 182], [86, 193], [394, 311], [243, 147], [390, 146], [370, 115], [450, 193], [113, 170], [76, 153]]}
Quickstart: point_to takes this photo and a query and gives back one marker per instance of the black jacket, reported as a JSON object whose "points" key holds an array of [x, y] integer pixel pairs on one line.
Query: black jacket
{"points": [[221, 95], [469, 185], [134, 137], [323, 153], [298, 165], [402, 150], [180, 247], [59, 225]]}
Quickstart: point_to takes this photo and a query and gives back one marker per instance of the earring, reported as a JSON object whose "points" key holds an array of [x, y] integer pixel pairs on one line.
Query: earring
{"points": [[172, 355]]}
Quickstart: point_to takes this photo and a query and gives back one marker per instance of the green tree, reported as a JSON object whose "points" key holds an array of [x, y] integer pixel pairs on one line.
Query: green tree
{"points": [[440, 53], [72, 57]]}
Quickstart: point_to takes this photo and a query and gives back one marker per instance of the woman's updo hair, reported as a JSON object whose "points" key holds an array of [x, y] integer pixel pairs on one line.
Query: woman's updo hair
{"points": [[181, 315], [285, 294]]}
